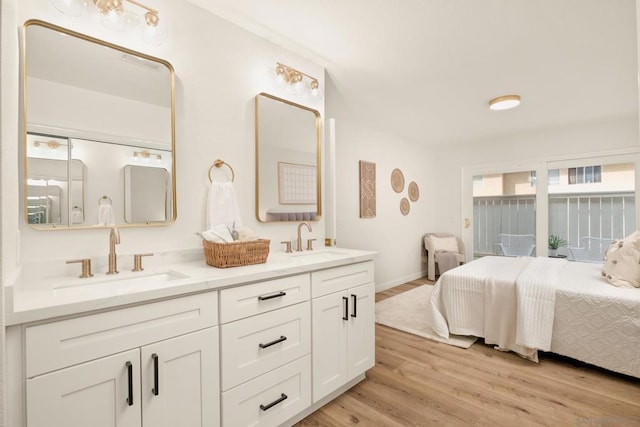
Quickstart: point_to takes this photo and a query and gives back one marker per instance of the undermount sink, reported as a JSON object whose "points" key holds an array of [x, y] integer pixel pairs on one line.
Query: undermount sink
{"points": [[322, 254], [114, 285]]}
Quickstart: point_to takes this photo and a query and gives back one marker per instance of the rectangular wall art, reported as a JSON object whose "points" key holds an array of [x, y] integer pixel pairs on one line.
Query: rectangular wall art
{"points": [[367, 189]]}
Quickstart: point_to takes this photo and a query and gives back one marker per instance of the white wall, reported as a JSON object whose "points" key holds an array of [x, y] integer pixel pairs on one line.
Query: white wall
{"points": [[397, 238], [219, 70]]}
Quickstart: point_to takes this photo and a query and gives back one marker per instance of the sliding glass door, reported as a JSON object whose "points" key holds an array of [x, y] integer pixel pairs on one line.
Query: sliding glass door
{"points": [[585, 203], [504, 214]]}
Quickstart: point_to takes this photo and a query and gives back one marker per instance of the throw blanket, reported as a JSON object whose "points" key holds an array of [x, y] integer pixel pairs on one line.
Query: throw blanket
{"points": [[508, 301], [446, 261], [536, 297]]}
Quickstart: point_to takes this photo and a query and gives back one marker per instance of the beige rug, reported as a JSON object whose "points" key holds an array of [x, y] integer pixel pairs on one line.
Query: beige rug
{"points": [[408, 312]]}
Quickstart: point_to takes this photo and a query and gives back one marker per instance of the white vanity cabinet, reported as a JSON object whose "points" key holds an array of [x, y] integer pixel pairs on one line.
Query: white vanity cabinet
{"points": [[266, 342], [343, 325], [151, 365]]}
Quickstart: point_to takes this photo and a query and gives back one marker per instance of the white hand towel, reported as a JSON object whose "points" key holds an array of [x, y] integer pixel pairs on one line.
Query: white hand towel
{"points": [[220, 233], [105, 215], [222, 206]]}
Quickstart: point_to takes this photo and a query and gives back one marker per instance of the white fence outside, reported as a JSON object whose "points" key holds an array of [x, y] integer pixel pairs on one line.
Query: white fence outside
{"points": [[571, 216]]}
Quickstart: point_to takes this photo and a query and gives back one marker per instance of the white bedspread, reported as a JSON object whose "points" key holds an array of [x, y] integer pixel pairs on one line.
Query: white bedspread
{"points": [[592, 320]]}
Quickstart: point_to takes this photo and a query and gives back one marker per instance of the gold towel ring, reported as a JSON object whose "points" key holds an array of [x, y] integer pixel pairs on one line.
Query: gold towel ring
{"points": [[218, 164], [106, 199]]}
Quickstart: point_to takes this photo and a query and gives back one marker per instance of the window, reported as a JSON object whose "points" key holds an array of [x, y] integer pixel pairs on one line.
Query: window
{"points": [[532, 178], [554, 176], [584, 175]]}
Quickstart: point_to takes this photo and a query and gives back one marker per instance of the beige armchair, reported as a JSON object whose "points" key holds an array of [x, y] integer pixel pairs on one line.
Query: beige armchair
{"points": [[434, 242]]}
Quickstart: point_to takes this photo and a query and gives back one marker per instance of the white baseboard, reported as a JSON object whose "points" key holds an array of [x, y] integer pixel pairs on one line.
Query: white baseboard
{"points": [[399, 281]]}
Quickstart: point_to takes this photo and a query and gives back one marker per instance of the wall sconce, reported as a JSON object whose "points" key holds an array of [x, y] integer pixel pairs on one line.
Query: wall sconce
{"points": [[115, 17], [146, 155], [296, 79], [54, 145]]}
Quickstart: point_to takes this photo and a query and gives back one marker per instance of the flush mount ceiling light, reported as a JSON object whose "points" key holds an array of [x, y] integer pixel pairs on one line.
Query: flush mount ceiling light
{"points": [[504, 102], [115, 17], [296, 80]]}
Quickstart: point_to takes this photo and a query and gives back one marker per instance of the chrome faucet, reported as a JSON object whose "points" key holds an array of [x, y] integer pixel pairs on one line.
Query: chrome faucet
{"points": [[114, 239], [299, 239]]}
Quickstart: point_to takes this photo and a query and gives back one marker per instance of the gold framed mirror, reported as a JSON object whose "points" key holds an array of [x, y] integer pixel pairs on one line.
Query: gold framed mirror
{"points": [[93, 113], [288, 160]]}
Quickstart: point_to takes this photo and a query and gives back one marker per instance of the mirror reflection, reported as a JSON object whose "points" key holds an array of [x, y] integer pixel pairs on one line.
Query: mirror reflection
{"points": [[94, 111], [287, 161]]}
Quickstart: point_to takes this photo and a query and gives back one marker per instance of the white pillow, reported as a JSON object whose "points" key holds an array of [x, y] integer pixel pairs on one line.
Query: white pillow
{"points": [[622, 262], [444, 244]]}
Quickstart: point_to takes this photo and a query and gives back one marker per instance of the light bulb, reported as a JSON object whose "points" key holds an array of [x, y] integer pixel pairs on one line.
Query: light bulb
{"points": [[68, 7]]}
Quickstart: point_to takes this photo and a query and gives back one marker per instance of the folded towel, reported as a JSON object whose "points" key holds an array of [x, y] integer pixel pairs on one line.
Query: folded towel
{"points": [[222, 206], [105, 215], [219, 233], [245, 234]]}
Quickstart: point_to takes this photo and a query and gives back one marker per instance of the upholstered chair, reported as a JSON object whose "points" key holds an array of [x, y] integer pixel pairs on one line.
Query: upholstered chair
{"points": [[434, 242]]}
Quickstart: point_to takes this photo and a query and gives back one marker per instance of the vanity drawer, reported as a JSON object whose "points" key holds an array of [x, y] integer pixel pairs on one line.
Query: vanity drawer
{"points": [[244, 301], [262, 401], [336, 279], [258, 344], [63, 343]]}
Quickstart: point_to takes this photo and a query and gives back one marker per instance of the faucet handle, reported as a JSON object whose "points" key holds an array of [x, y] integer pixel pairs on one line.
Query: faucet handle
{"points": [[287, 248], [310, 244], [86, 267], [137, 261]]}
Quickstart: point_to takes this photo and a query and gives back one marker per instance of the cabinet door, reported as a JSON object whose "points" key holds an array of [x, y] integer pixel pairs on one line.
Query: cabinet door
{"points": [[329, 323], [185, 391], [92, 394], [361, 330]]}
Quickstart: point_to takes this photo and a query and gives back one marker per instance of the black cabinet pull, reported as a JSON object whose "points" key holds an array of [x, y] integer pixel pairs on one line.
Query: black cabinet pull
{"points": [[355, 305], [278, 295], [156, 384], [275, 402], [130, 377], [346, 308], [269, 344]]}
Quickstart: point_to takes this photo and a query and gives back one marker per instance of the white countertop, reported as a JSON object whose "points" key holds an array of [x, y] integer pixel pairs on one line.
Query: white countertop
{"points": [[69, 295]]}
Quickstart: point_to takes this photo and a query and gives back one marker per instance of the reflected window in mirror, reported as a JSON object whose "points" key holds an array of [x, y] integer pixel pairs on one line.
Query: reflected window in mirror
{"points": [[288, 153], [107, 107]]}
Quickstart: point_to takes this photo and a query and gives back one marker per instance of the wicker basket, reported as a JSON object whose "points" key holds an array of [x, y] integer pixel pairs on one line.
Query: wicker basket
{"points": [[223, 255]]}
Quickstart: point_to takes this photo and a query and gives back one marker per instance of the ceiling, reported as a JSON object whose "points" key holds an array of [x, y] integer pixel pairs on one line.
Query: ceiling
{"points": [[425, 69]]}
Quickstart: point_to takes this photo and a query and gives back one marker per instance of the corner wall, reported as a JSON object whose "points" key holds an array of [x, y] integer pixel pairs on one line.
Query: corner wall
{"points": [[396, 238]]}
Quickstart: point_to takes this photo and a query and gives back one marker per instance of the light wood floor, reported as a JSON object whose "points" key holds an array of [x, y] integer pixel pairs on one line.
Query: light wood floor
{"points": [[419, 382]]}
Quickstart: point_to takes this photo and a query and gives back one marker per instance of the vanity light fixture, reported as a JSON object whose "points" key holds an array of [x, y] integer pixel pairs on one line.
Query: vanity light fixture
{"points": [[53, 144], [296, 80], [146, 155], [504, 102], [115, 17]]}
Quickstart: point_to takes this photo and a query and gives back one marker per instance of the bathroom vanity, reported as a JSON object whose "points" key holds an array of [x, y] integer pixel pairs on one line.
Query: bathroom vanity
{"points": [[191, 345]]}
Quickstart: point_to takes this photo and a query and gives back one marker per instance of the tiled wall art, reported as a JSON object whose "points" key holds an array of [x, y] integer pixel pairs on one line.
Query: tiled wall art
{"points": [[367, 189], [296, 184]]}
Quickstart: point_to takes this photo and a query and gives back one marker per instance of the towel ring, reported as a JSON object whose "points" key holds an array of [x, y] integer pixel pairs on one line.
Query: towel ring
{"points": [[218, 164], [106, 199]]}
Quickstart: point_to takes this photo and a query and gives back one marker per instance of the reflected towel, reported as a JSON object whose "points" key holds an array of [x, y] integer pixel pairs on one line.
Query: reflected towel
{"points": [[222, 206], [105, 215]]}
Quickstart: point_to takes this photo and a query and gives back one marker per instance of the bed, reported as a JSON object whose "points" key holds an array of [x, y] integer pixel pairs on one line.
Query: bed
{"points": [[576, 312]]}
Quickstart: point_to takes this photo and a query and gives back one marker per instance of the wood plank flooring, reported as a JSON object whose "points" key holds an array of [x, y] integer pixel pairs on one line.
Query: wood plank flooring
{"points": [[419, 382]]}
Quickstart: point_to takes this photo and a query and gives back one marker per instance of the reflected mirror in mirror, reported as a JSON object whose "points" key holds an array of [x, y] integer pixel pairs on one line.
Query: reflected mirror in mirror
{"points": [[146, 194], [288, 170], [91, 110]]}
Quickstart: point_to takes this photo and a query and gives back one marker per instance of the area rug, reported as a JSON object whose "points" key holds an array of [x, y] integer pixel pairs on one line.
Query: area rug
{"points": [[408, 312]]}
